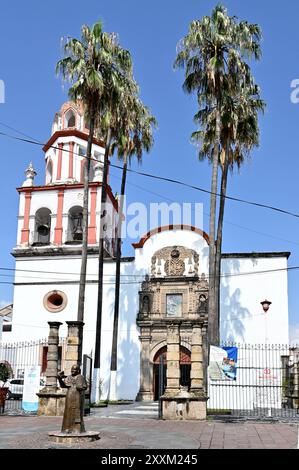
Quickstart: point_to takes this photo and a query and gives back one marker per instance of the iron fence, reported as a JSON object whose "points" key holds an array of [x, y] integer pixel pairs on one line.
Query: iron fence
{"points": [[266, 384], [17, 356]]}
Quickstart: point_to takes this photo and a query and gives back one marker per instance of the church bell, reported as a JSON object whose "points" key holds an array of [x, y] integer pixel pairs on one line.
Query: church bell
{"points": [[43, 230]]}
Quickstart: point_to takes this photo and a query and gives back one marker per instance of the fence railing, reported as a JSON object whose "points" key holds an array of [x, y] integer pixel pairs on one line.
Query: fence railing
{"points": [[267, 377], [266, 384], [17, 356]]}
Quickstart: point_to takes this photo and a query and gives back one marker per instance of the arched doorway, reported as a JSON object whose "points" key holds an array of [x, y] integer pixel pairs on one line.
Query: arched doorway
{"points": [[185, 368]]}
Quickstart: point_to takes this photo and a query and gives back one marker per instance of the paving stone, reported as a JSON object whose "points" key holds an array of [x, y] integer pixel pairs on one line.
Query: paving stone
{"points": [[141, 431]]}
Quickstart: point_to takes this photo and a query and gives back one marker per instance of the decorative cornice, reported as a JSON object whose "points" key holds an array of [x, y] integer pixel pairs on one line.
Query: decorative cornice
{"points": [[170, 227], [271, 254], [70, 133], [56, 187], [52, 251]]}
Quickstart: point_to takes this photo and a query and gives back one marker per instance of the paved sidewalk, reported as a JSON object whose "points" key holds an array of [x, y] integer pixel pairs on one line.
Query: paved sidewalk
{"points": [[129, 427]]}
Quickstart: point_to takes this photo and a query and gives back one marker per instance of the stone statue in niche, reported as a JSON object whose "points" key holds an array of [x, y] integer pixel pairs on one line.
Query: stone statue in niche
{"points": [[146, 305], [203, 305]]}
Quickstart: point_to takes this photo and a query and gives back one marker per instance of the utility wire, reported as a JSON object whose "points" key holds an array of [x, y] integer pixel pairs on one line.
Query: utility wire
{"points": [[169, 180], [206, 213], [223, 275]]}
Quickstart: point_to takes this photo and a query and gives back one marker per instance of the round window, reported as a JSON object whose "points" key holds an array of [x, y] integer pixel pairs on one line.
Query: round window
{"points": [[55, 301]]}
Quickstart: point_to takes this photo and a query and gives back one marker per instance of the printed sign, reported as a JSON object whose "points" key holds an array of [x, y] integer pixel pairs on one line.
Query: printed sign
{"points": [[268, 389], [31, 388], [223, 363]]}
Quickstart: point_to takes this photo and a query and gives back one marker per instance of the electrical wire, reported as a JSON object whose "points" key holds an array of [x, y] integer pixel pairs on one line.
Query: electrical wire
{"points": [[206, 213], [142, 277], [169, 180]]}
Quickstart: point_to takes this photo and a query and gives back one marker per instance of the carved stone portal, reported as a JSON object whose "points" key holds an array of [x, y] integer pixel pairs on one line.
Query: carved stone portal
{"points": [[175, 296]]}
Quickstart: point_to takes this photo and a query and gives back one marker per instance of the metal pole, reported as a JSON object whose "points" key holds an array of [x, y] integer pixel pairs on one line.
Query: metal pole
{"points": [[161, 383]]}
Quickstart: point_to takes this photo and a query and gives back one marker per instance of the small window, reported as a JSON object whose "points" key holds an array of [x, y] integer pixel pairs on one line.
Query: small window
{"points": [[70, 119], [49, 172], [55, 301]]}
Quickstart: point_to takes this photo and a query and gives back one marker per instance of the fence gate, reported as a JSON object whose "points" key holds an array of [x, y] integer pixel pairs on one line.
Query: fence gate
{"points": [[266, 385]]}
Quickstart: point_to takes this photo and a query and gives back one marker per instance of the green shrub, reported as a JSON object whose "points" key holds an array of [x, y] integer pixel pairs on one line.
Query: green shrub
{"points": [[4, 373]]}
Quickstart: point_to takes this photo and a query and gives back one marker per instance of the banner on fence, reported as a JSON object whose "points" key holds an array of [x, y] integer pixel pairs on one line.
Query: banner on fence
{"points": [[223, 363], [31, 388]]}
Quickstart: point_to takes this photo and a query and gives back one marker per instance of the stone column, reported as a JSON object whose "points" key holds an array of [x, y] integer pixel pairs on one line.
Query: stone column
{"points": [[73, 345], [146, 389], [196, 361], [173, 360], [51, 398], [205, 352], [52, 356]]}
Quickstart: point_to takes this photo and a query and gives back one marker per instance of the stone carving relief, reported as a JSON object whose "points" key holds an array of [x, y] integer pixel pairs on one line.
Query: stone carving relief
{"points": [[175, 261]]}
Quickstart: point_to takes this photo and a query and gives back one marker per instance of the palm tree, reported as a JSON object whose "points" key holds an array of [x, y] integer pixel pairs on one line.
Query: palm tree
{"points": [[91, 65], [239, 135], [211, 49], [118, 80], [135, 135]]}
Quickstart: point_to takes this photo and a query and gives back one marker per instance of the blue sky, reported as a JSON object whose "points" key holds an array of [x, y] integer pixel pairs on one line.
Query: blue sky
{"points": [[30, 47]]}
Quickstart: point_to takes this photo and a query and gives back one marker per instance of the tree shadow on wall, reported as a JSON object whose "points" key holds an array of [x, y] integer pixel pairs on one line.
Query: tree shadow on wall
{"points": [[232, 313], [128, 349]]}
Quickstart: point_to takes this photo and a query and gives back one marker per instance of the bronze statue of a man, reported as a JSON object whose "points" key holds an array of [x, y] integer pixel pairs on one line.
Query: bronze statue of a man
{"points": [[74, 401]]}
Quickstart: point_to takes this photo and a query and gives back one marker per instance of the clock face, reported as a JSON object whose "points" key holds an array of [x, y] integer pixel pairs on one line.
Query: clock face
{"points": [[174, 303]]}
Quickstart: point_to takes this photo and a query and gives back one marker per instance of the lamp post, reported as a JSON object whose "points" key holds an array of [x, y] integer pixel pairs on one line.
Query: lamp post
{"points": [[266, 305]]}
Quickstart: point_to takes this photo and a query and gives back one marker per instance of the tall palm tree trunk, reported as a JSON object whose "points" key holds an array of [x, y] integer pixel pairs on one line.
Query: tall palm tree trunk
{"points": [[82, 282], [212, 324], [113, 366], [219, 238], [97, 354]]}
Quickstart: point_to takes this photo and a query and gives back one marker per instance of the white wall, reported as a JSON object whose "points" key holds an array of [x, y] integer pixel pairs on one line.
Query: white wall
{"points": [[54, 153], [242, 318], [242, 315]]}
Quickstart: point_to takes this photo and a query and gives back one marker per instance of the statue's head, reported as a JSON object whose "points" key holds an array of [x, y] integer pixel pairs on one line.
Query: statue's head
{"points": [[75, 370]]}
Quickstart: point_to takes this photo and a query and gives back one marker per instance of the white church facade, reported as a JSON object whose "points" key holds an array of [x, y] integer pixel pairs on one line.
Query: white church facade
{"points": [[166, 278]]}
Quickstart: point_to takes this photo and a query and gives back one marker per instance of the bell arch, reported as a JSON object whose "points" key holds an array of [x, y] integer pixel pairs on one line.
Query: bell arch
{"points": [[74, 230], [42, 229], [70, 119]]}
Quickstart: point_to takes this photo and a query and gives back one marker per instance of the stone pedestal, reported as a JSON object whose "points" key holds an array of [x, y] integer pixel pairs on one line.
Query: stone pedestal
{"points": [[73, 438], [51, 399], [184, 406], [177, 403], [51, 403], [73, 345]]}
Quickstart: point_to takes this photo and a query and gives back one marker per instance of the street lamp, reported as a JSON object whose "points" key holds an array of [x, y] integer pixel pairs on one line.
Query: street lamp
{"points": [[266, 305]]}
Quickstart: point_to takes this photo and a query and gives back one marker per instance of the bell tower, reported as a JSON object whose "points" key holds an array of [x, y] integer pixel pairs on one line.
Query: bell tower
{"points": [[49, 236], [50, 215]]}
